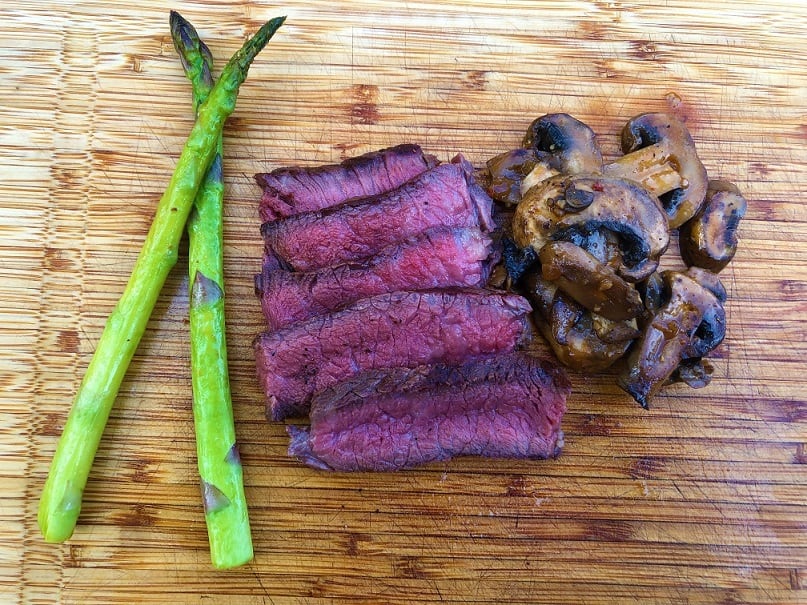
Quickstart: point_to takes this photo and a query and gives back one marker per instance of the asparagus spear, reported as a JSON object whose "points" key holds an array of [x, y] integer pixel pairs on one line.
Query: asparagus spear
{"points": [[60, 503], [219, 466]]}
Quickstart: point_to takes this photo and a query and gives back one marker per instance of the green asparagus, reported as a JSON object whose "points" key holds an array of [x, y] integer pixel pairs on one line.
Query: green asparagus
{"points": [[60, 503], [219, 465]]}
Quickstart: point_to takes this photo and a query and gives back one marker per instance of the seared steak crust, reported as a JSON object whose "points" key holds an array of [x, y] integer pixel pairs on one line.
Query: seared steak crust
{"points": [[291, 190]]}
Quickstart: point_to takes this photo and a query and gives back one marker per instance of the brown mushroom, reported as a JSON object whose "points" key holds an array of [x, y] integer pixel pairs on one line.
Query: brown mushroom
{"points": [[660, 154], [564, 143], [712, 329], [667, 338], [709, 334], [697, 373], [581, 340], [506, 171], [651, 289], [569, 208], [708, 280], [709, 239], [591, 283], [554, 144]]}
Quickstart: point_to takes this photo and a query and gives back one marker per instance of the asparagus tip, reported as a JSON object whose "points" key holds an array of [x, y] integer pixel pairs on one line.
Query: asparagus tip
{"points": [[186, 41]]}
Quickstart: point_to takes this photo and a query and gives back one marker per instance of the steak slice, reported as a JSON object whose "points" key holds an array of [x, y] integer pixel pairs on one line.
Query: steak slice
{"points": [[389, 330], [445, 195], [438, 258], [506, 406], [292, 190]]}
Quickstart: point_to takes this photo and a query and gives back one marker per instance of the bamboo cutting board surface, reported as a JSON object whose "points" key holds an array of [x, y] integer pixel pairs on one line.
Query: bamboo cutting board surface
{"points": [[702, 499]]}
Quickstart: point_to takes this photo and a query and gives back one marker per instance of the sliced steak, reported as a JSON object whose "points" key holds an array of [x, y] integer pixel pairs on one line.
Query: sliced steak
{"points": [[389, 330], [438, 258], [506, 406], [292, 190], [444, 196]]}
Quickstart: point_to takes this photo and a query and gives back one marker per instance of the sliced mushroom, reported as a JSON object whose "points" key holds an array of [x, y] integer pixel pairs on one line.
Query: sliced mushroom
{"points": [[581, 340], [709, 334], [562, 145], [569, 208], [660, 154], [652, 292], [712, 329], [540, 292], [709, 239], [591, 283], [708, 280], [554, 144], [697, 373], [506, 172], [666, 339]]}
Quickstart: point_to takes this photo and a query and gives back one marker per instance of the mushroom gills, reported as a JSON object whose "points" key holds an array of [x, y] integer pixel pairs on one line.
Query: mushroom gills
{"points": [[567, 208], [517, 261]]}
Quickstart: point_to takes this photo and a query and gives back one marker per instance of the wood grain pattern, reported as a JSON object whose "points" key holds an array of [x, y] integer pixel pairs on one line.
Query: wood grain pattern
{"points": [[701, 500]]}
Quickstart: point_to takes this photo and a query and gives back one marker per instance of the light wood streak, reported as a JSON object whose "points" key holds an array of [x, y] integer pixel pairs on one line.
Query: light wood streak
{"points": [[703, 499]]}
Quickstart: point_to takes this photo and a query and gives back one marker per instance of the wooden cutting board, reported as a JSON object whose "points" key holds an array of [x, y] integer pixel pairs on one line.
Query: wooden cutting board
{"points": [[702, 499]]}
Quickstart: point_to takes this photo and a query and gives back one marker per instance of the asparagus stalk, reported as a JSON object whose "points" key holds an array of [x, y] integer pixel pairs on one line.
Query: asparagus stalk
{"points": [[222, 480], [60, 503]]}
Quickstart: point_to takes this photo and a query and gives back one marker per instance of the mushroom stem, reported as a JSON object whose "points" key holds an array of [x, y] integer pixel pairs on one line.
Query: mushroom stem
{"points": [[652, 167], [538, 174]]}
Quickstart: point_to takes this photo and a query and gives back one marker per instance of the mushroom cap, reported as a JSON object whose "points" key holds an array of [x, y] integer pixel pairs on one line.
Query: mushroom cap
{"points": [[708, 280], [591, 283], [569, 208], [580, 340], [669, 337], [506, 171], [696, 372], [669, 133], [564, 144], [709, 239]]}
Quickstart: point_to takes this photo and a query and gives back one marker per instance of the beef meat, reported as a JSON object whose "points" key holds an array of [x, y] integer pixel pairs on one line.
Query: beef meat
{"points": [[444, 196], [290, 191], [389, 330], [506, 406], [438, 258]]}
